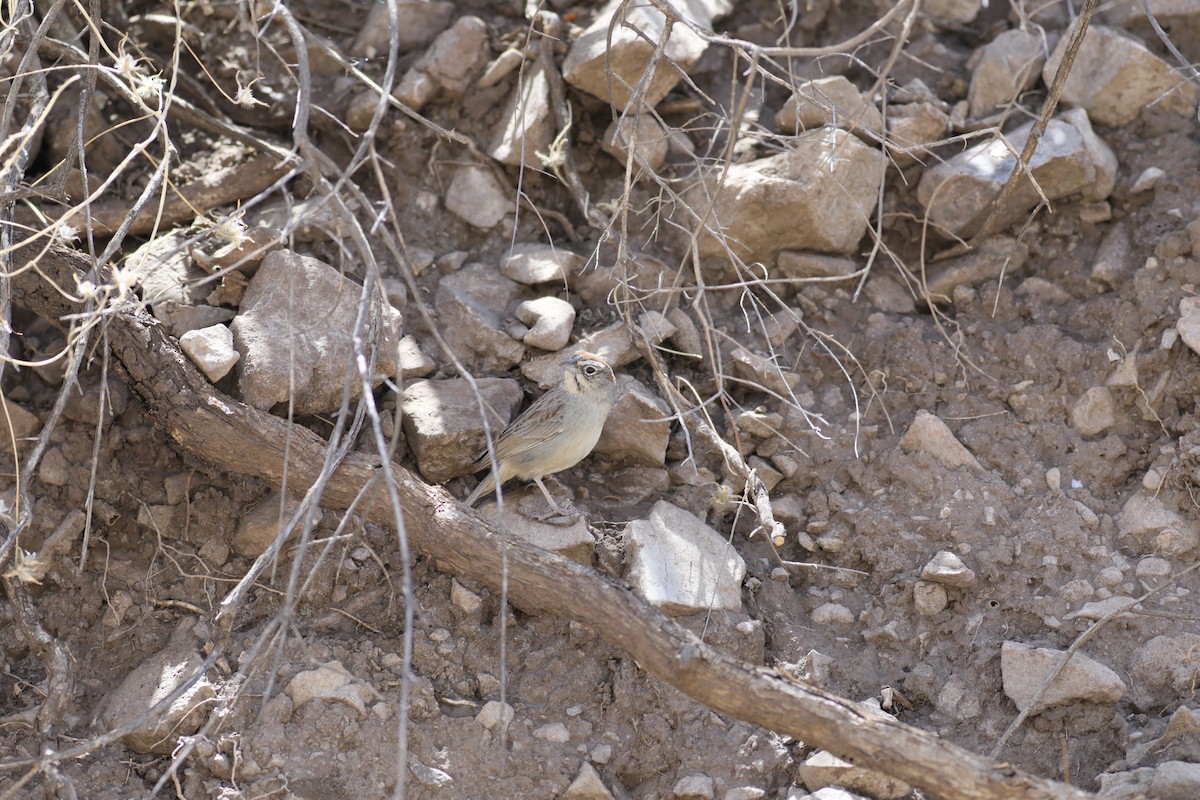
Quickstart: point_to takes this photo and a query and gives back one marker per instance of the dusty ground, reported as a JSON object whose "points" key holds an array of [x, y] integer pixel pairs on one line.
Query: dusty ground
{"points": [[1003, 367]]}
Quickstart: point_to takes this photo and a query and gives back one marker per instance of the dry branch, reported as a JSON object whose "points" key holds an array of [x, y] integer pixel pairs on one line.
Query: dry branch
{"points": [[238, 439]]}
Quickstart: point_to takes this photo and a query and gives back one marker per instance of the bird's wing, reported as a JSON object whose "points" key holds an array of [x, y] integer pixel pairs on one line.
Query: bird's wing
{"points": [[541, 421]]}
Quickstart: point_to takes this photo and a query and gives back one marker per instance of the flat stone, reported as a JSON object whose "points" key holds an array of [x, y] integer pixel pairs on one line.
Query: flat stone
{"points": [[532, 264], [928, 434], [832, 614], [211, 349], [333, 684], [763, 371], [411, 360], [1114, 77], [526, 126], [551, 319], [638, 428], [796, 264], [1070, 159], [1025, 668], [996, 256], [294, 334], [472, 327], [819, 195], [823, 769], [607, 60], [573, 541], [553, 732], [948, 569], [476, 197], [443, 426], [681, 565], [833, 101], [149, 683]]}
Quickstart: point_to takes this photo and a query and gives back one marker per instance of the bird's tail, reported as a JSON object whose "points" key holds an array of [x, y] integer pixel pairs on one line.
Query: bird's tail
{"points": [[485, 486]]}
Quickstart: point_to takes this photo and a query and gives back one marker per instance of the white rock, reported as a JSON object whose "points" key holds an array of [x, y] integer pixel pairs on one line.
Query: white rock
{"points": [[211, 349], [681, 565], [928, 434], [831, 101], [477, 197], [442, 423], [1094, 412], [1188, 324], [929, 598], [527, 124], [553, 732], [611, 72], [1148, 519], [816, 196], [1149, 178], [411, 360], [1008, 65], [823, 769], [294, 334], [1114, 77], [465, 600], [551, 319], [587, 785], [494, 714], [832, 614], [1069, 159], [745, 793], [694, 787], [948, 569], [148, 684], [532, 264], [332, 683], [1025, 668]]}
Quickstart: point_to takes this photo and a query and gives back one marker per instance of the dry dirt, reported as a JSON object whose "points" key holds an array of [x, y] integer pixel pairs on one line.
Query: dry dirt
{"points": [[1002, 366]]}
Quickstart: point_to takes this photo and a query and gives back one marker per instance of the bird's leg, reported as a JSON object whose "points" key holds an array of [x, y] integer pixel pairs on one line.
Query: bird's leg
{"points": [[556, 509]]}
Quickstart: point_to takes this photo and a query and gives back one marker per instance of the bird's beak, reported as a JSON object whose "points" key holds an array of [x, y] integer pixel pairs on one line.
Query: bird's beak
{"points": [[571, 360]]}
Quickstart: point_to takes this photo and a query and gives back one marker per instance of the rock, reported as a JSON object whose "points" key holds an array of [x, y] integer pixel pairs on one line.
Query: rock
{"points": [[1007, 66], [429, 776], [84, 403], [552, 320], [54, 469], [610, 72], [1168, 780], [411, 361], [465, 600], [680, 564], [1114, 259], [694, 787], [832, 101], [587, 785], [611, 343], [495, 714], [1148, 519], [643, 137], [261, 524], [764, 372], [929, 598], [744, 793], [573, 540], [1069, 159], [913, 126], [150, 683], [832, 614], [1025, 668], [211, 349], [818, 195], [17, 423], [333, 684], [294, 334], [823, 769], [1095, 412], [448, 65], [1150, 177], [1102, 608], [996, 256], [948, 569], [1114, 77], [417, 24], [500, 68], [532, 264], [638, 427], [1152, 571], [477, 197], [472, 328], [800, 265], [928, 434], [527, 124], [553, 732], [442, 423], [1188, 324], [1163, 670], [956, 11], [173, 286]]}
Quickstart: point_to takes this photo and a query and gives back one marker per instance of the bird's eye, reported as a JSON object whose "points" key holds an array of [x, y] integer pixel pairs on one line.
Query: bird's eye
{"points": [[590, 370]]}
